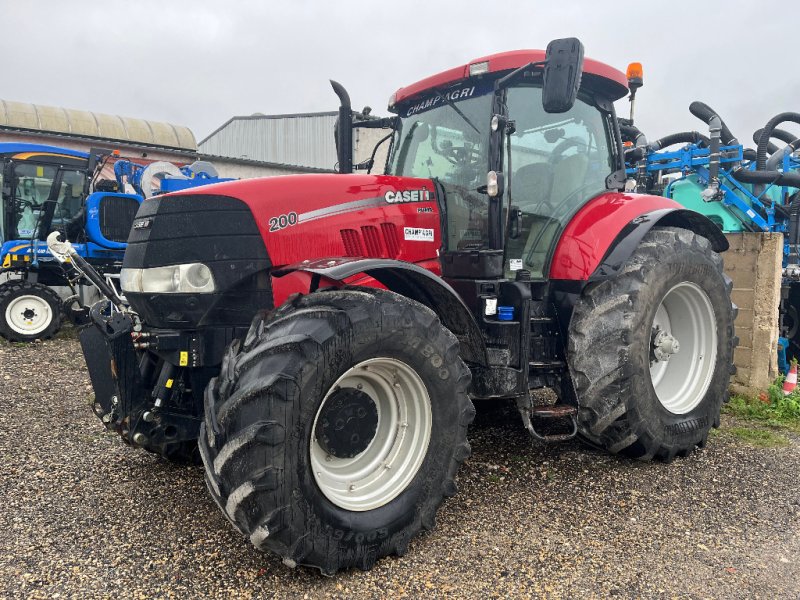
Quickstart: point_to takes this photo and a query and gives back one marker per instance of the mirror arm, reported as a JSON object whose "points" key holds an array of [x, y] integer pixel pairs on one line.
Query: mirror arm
{"points": [[505, 81]]}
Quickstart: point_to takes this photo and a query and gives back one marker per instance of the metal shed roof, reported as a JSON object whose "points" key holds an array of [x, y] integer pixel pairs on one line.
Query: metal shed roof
{"points": [[303, 140], [84, 124]]}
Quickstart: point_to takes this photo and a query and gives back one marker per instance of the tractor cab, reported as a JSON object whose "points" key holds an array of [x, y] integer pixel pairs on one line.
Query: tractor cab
{"points": [[546, 164], [41, 190]]}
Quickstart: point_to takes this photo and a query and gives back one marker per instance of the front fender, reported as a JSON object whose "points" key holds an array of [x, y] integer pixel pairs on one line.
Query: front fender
{"points": [[604, 233], [411, 281]]}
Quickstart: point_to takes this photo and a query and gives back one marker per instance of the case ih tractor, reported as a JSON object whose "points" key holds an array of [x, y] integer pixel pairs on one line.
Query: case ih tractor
{"points": [[321, 338]]}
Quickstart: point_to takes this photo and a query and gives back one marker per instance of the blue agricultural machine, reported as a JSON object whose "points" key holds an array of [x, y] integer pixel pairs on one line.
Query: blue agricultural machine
{"points": [[740, 189], [47, 188]]}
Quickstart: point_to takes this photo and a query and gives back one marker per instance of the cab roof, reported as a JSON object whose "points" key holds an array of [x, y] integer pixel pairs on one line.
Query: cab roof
{"points": [[597, 75]]}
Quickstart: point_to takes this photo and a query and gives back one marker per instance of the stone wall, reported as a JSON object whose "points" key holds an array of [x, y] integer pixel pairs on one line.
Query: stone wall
{"points": [[754, 263]]}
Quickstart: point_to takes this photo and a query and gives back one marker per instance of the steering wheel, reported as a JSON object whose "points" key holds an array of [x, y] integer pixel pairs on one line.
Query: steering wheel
{"points": [[558, 152], [24, 202]]}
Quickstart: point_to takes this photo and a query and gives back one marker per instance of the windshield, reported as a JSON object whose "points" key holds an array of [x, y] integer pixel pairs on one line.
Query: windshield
{"points": [[449, 141], [34, 184], [558, 162]]}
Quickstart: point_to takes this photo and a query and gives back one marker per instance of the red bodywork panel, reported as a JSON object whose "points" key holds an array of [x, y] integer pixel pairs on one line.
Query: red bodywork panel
{"points": [[327, 215], [590, 233], [613, 80]]}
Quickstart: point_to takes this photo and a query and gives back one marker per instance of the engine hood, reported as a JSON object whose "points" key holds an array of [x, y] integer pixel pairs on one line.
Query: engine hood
{"points": [[328, 215]]}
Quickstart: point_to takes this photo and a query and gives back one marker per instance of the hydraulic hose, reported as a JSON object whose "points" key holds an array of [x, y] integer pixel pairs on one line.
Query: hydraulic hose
{"points": [[638, 154], [683, 137], [767, 132], [704, 112], [779, 134], [767, 177], [630, 133]]}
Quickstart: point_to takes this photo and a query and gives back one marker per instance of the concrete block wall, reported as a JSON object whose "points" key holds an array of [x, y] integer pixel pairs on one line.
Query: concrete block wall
{"points": [[753, 262]]}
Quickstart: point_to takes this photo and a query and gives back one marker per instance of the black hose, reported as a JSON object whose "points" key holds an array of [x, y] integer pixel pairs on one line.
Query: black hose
{"points": [[767, 177], [683, 137], [630, 133], [767, 132], [704, 112], [779, 134], [749, 154]]}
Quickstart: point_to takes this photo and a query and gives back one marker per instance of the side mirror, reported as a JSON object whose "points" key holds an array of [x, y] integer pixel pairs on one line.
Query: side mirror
{"points": [[562, 74]]}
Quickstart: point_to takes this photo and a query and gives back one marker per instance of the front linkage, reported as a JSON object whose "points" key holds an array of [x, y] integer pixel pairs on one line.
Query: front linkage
{"points": [[122, 374]]}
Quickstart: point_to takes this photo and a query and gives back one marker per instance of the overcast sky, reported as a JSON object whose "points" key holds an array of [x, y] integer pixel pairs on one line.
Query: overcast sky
{"points": [[197, 63]]}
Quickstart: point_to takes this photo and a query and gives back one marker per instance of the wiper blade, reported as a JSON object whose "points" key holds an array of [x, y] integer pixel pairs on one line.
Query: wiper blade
{"points": [[460, 113]]}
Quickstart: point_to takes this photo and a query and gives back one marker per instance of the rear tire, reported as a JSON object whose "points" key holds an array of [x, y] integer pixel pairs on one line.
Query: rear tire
{"points": [[646, 399], [28, 311], [267, 465]]}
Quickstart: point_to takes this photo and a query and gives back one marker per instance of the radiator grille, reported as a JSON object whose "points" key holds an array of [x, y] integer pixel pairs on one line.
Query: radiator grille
{"points": [[116, 217]]}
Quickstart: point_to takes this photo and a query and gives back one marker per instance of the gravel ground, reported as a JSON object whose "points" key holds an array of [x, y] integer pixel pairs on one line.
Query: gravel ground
{"points": [[85, 516]]}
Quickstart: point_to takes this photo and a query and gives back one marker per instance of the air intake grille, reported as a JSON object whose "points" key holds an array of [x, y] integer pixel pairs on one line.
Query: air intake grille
{"points": [[389, 231], [371, 242], [116, 217], [352, 242]]}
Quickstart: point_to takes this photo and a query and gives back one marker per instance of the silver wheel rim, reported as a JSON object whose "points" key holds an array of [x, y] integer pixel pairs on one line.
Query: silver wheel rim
{"points": [[385, 468], [683, 378], [28, 315]]}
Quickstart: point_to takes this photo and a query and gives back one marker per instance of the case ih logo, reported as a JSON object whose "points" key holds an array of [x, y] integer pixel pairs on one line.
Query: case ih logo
{"points": [[142, 223], [407, 196]]}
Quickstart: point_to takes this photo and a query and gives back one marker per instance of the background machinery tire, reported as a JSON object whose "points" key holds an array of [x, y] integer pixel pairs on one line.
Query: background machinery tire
{"points": [[642, 394], [335, 430], [28, 311]]}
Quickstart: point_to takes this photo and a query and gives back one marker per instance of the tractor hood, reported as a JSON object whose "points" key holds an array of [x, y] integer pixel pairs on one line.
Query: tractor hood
{"points": [[312, 216], [242, 230]]}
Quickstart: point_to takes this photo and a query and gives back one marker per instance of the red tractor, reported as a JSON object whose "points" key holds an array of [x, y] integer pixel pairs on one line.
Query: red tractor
{"points": [[321, 338]]}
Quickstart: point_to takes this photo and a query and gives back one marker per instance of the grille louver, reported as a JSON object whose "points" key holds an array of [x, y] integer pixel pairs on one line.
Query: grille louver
{"points": [[352, 242], [371, 242], [116, 217]]}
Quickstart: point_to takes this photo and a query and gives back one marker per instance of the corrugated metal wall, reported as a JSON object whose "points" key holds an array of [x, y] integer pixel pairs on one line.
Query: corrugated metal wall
{"points": [[304, 140]]}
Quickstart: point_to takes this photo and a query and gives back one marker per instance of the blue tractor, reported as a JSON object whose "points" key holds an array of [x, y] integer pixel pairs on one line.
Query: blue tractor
{"points": [[48, 188], [740, 189]]}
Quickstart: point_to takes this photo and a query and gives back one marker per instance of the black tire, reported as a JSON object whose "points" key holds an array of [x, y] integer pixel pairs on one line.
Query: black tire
{"points": [[610, 349], [12, 291], [260, 413]]}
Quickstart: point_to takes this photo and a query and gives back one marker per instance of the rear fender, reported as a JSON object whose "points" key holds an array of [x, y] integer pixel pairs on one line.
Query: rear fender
{"points": [[406, 279], [628, 239], [604, 233]]}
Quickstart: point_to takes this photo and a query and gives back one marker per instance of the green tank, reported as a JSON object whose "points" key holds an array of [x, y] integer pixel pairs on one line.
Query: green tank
{"points": [[687, 192]]}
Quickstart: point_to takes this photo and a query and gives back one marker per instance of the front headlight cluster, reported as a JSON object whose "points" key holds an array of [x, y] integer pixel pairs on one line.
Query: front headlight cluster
{"points": [[191, 278]]}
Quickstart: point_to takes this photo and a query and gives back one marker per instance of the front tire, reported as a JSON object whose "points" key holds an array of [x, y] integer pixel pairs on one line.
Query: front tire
{"points": [[651, 350], [28, 311], [334, 432]]}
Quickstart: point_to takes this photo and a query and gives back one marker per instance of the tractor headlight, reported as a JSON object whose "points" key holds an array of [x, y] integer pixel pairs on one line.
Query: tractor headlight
{"points": [[192, 278]]}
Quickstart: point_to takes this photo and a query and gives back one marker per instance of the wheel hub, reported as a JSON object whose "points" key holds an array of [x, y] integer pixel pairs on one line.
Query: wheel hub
{"points": [[681, 371], [28, 315], [664, 345], [347, 423], [378, 429]]}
